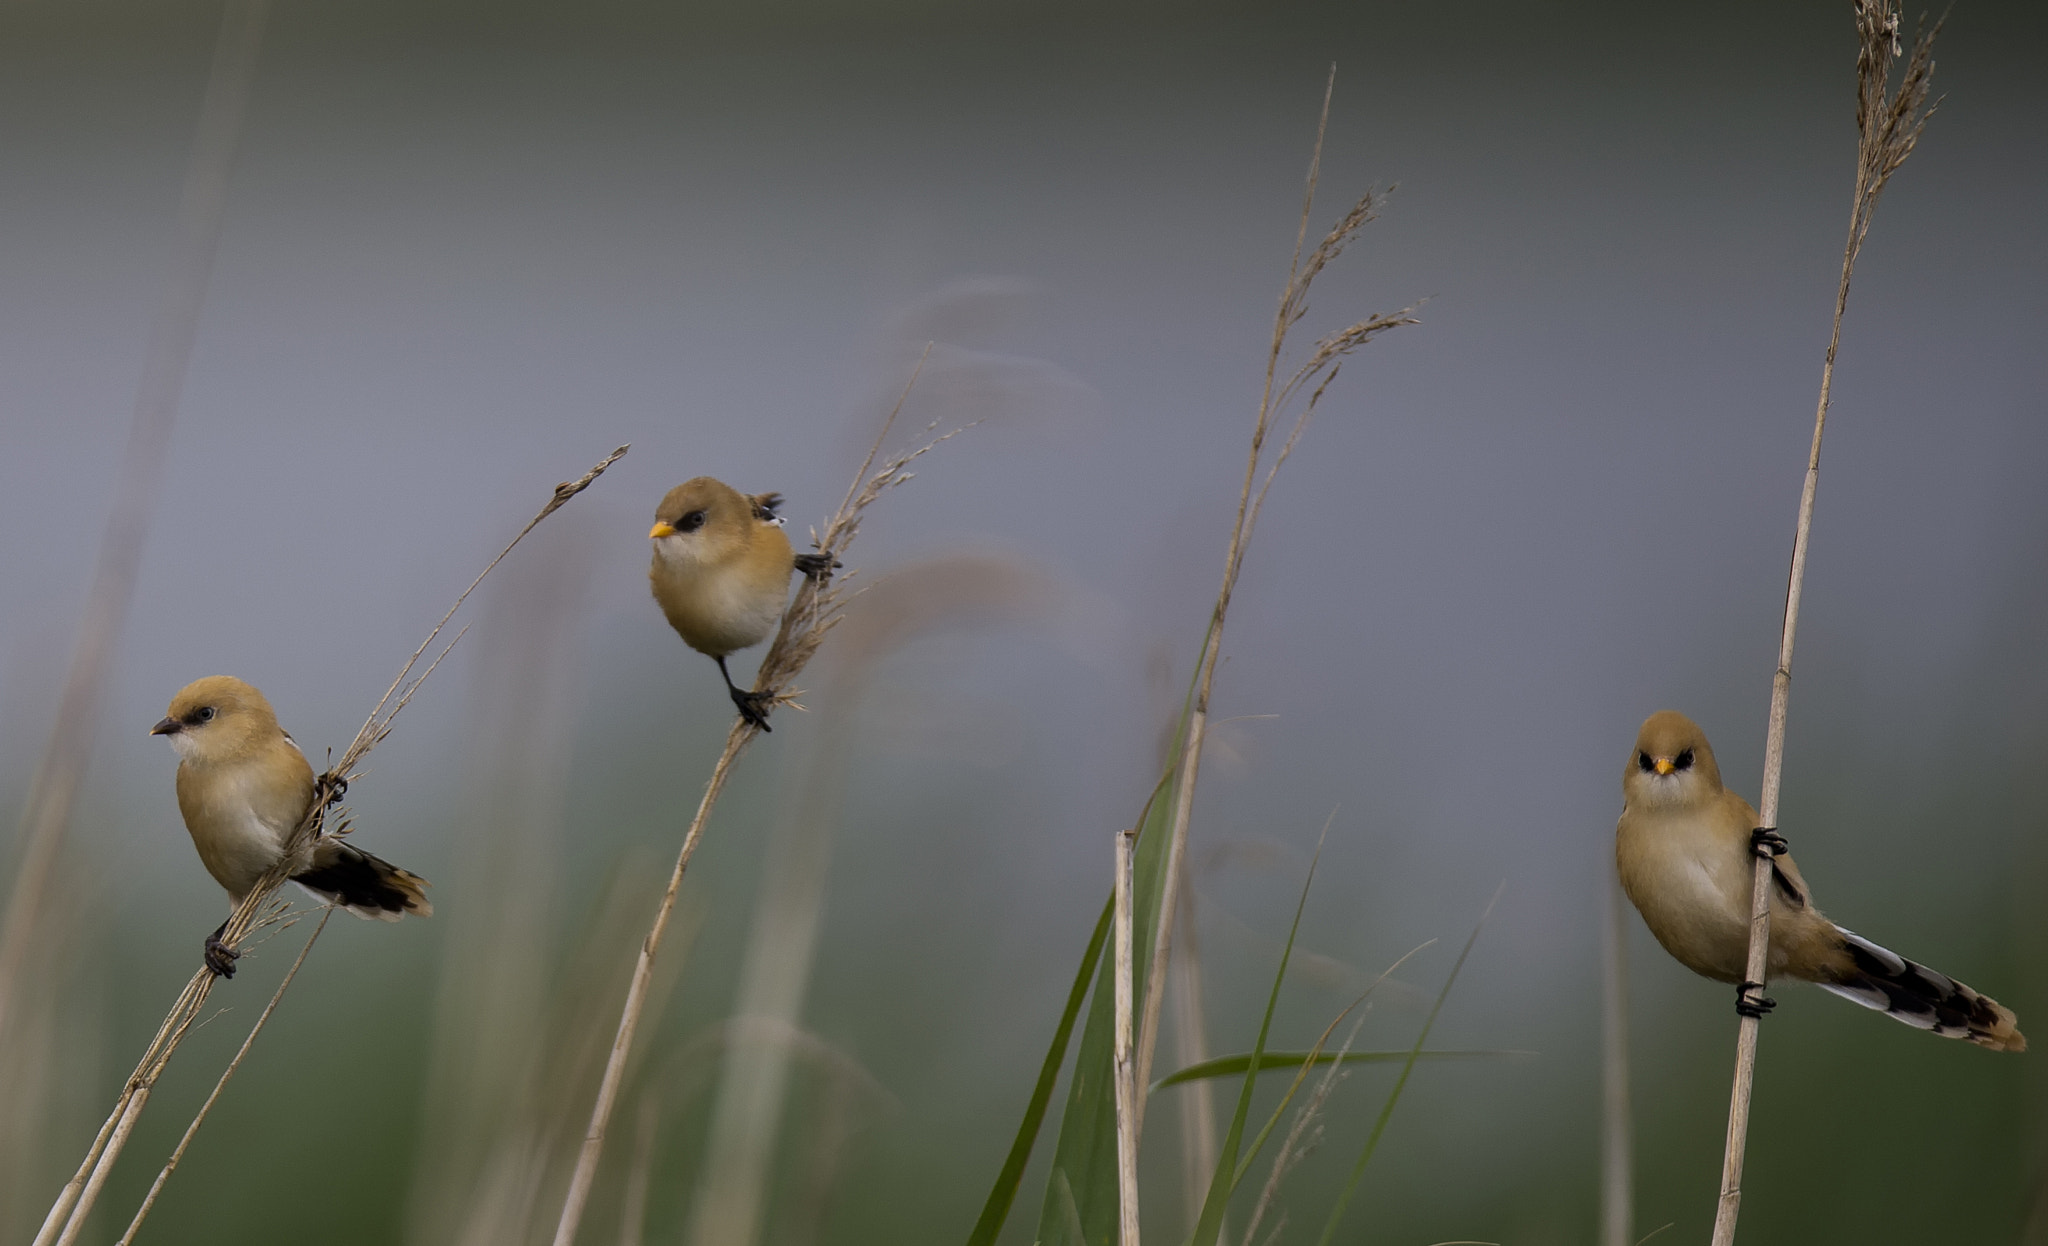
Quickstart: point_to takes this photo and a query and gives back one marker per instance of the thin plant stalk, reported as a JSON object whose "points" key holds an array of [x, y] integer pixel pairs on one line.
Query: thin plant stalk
{"points": [[1292, 1151], [75, 1201], [1125, 1070], [1379, 1125], [1888, 125], [816, 610], [54, 789], [1617, 1131], [199, 1118], [1313, 378]]}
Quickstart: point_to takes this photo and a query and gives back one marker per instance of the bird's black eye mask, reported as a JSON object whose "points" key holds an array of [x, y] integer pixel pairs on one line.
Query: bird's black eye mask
{"points": [[1647, 764], [204, 714], [690, 522]]}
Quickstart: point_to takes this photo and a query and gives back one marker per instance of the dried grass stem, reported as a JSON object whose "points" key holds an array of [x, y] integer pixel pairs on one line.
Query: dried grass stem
{"points": [[1888, 125]]}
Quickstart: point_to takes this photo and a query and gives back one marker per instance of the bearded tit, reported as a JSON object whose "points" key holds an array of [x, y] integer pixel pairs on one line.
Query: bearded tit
{"points": [[1686, 849], [244, 787], [721, 574]]}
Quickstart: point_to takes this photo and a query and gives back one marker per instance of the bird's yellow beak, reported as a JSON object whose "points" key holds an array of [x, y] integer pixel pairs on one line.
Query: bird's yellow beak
{"points": [[660, 530], [167, 726], [1664, 765]]}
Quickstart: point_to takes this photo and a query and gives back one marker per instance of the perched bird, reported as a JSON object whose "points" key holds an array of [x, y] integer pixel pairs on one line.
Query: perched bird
{"points": [[244, 787], [721, 573], [1687, 848]]}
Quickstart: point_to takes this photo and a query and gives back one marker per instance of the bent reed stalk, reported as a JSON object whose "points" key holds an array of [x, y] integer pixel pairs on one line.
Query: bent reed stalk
{"points": [[1315, 376], [75, 1201], [1888, 127], [815, 611]]}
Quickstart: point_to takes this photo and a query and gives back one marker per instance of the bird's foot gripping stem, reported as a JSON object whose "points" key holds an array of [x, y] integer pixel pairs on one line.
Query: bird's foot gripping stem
{"points": [[753, 706], [818, 567], [1750, 1000], [220, 958], [1765, 842]]}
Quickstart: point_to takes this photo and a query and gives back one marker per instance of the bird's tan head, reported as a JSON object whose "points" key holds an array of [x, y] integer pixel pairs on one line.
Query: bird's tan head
{"points": [[1671, 764], [701, 520], [216, 718]]}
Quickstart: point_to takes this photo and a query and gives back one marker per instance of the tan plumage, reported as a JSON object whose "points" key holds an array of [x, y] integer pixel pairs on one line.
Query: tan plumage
{"points": [[1683, 849], [244, 787], [721, 573]]}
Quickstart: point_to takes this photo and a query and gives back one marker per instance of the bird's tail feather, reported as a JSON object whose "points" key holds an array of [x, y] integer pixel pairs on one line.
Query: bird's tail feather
{"points": [[1876, 977], [365, 885]]}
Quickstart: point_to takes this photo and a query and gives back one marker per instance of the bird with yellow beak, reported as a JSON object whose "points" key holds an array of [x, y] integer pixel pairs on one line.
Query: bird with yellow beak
{"points": [[1686, 848], [244, 787], [721, 574]]}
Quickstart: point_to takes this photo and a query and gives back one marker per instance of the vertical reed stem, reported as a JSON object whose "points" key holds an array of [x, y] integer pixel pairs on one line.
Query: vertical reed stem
{"points": [[1125, 1070], [1888, 128]]}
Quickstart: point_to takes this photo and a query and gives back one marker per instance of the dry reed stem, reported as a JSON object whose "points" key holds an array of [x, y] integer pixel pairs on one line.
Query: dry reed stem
{"points": [[74, 1203], [815, 611], [199, 1118], [1315, 376], [54, 788], [1888, 126], [1124, 1071]]}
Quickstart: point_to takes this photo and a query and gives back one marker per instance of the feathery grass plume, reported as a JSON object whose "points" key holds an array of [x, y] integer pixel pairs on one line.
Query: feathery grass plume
{"points": [[75, 1201], [1888, 127], [1277, 396], [54, 788], [1295, 1147], [816, 610]]}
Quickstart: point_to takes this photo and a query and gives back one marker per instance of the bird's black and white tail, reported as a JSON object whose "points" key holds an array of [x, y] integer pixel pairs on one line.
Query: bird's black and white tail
{"points": [[1879, 978], [365, 885]]}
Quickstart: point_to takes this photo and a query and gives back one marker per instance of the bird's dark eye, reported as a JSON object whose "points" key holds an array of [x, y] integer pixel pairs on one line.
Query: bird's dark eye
{"points": [[1644, 763], [1684, 760], [203, 714], [690, 522]]}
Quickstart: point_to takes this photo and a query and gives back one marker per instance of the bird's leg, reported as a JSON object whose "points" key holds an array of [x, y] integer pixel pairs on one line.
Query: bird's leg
{"points": [[1749, 1005], [221, 958], [818, 567], [1765, 842], [753, 706]]}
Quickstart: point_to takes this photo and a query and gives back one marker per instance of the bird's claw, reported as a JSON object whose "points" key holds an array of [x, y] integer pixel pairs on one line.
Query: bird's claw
{"points": [[220, 958], [754, 707], [1765, 842], [818, 567], [1752, 1005]]}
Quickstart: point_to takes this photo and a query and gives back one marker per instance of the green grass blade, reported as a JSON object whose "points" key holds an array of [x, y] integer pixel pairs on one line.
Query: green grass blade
{"points": [[997, 1208], [1387, 1112], [1225, 1179], [1272, 1061]]}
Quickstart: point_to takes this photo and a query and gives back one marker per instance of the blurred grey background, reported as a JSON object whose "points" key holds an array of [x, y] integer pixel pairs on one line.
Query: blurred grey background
{"points": [[470, 248]]}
